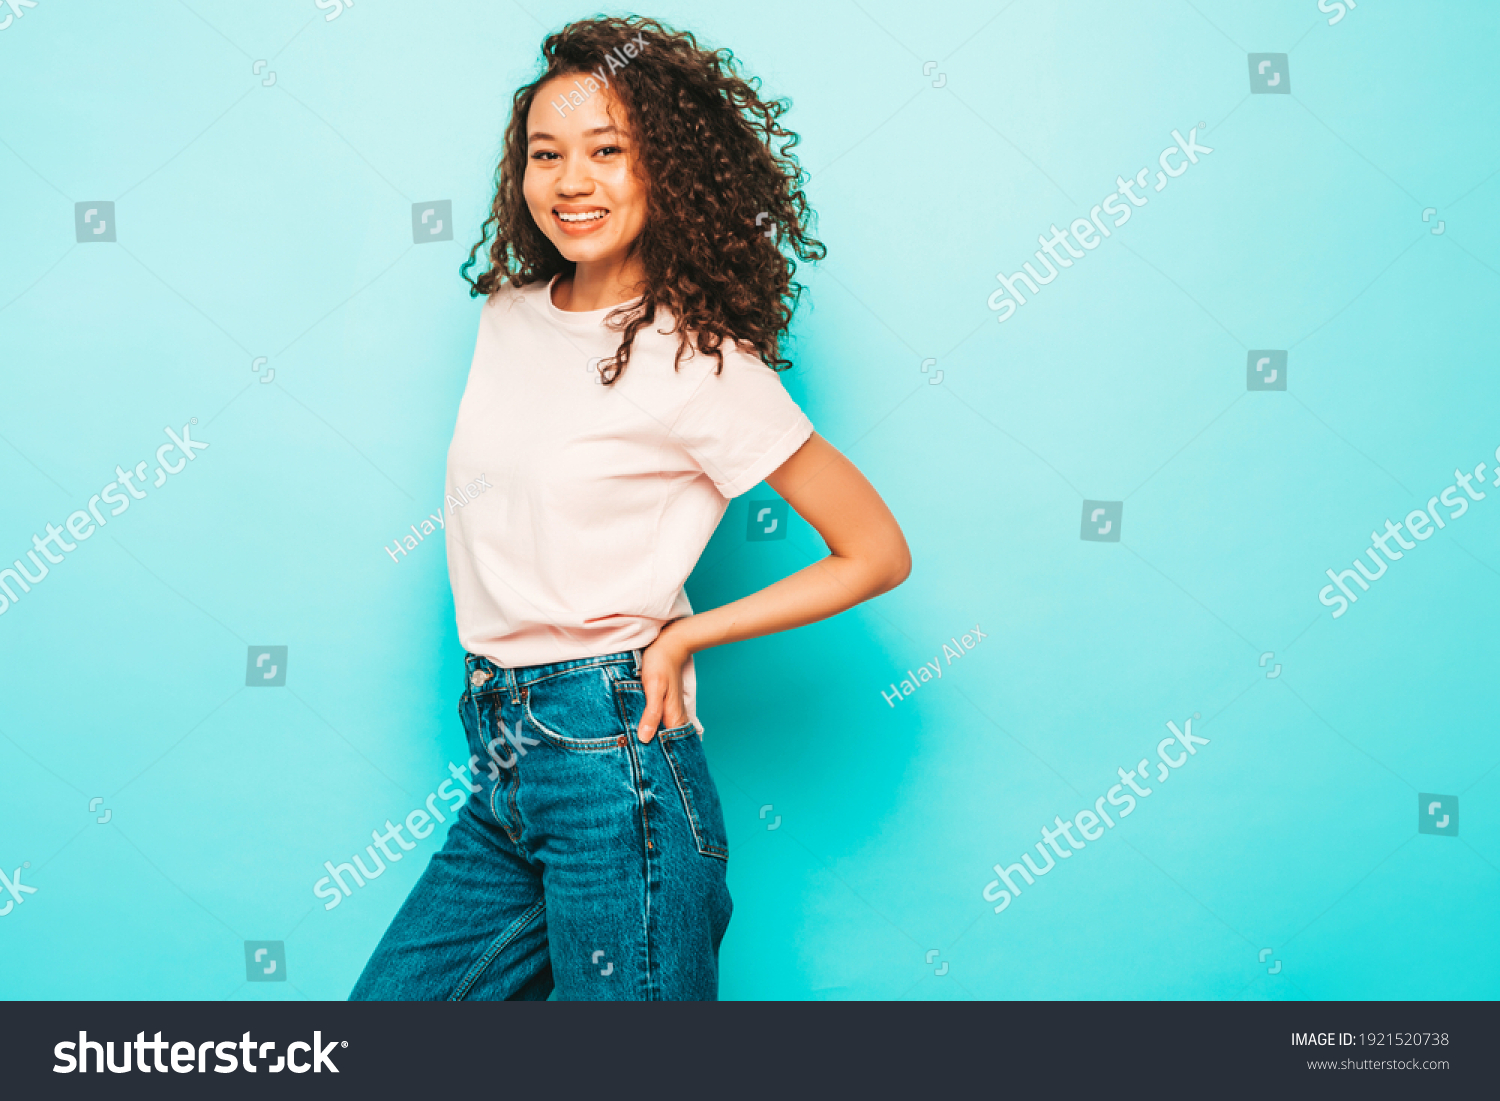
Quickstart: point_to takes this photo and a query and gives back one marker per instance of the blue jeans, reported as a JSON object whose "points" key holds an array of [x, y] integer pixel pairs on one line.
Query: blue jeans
{"points": [[582, 859]]}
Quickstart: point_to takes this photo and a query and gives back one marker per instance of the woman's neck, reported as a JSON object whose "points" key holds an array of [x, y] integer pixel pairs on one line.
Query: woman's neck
{"points": [[595, 286]]}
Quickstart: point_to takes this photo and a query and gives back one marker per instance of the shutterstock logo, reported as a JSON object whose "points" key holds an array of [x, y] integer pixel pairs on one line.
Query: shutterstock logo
{"points": [[767, 520], [1172, 752], [335, 8], [1420, 523], [1437, 814], [335, 887], [1269, 75], [82, 524], [1101, 521], [266, 667], [94, 221], [17, 10], [188, 1057], [1088, 231], [17, 891], [1265, 370], [432, 221]]}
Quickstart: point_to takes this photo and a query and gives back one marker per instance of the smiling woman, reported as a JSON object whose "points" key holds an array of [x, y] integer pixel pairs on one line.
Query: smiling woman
{"points": [[587, 194], [728, 215], [629, 230]]}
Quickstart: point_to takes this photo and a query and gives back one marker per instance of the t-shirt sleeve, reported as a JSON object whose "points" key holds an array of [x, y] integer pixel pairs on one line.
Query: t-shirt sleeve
{"points": [[741, 424]]}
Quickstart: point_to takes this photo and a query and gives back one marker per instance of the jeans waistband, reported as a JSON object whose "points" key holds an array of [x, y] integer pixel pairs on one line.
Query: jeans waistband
{"points": [[480, 670]]}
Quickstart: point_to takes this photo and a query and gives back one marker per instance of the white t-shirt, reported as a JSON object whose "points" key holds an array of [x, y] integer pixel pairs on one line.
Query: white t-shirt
{"points": [[603, 497]]}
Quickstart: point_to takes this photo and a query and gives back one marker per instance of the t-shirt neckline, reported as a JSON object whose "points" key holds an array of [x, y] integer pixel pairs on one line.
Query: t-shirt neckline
{"points": [[581, 318]]}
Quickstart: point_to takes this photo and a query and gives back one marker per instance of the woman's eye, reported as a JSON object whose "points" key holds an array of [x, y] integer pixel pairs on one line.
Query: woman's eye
{"points": [[542, 154], [608, 149]]}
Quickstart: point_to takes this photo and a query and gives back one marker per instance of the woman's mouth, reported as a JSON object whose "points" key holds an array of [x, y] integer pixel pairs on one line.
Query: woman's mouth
{"points": [[576, 223]]}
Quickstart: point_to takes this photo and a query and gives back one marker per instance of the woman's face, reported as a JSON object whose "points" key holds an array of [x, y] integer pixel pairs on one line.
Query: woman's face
{"points": [[583, 182]]}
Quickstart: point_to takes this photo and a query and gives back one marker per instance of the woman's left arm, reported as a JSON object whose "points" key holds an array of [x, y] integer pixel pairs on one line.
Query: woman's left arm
{"points": [[868, 556]]}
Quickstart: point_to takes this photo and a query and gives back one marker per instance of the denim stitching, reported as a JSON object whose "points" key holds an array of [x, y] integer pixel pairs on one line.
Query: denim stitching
{"points": [[704, 847], [498, 681], [515, 812], [588, 663], [586, 745], [515, 930], [496, 783], [638, 777], [514, 835], [630, 684]]}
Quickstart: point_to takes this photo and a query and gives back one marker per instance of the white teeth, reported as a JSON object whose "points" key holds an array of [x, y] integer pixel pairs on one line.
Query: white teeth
{"points": [[591, 216]]}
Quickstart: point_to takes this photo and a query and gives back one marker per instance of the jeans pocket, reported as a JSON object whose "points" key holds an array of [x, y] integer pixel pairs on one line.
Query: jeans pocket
{"points": [[700, 796], [571, 710]]}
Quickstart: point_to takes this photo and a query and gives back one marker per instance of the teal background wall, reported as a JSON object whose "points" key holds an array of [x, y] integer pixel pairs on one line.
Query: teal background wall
{"points": [[266, 211]]}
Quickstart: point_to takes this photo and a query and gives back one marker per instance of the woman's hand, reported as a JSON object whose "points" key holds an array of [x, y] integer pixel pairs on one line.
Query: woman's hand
{"points": [[661, 677]]}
